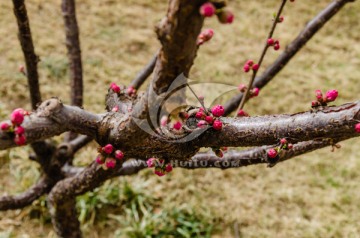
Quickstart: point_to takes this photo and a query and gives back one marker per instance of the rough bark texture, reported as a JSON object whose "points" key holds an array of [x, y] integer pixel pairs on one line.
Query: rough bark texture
{"points": [[74, 51], [31, 59]]}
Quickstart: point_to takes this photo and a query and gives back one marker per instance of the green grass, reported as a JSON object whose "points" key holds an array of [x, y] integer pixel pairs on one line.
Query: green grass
{"points": [[314, 195]]}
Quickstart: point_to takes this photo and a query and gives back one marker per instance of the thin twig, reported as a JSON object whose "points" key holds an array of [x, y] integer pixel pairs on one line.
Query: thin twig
{"points": [[144, 73], [276, 21], [295, 46]]}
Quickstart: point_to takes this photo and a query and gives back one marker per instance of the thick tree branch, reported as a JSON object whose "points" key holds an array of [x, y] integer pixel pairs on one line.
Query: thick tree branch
{"points": [[295, 46], [27, 46], [26, 198], [74, 51], [144, 73], [329, 122], [53, 118], [178, 33]]}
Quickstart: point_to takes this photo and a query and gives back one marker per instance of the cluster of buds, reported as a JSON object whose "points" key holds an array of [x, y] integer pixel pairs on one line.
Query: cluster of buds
{"points": [[224, 15], [273, 153], [160, 167], [131, 91], [322, 100], [108, 156], [212, 118], [254, 92], [273, 43], [205, 36], [15, 128], [250, 65]]}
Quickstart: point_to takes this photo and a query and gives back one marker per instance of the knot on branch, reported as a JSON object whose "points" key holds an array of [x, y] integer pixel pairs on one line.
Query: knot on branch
{"points": [[49, 108]]}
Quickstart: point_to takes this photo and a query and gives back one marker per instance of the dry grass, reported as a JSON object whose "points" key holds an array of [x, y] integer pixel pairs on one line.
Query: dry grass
{"points": [[315, 195]]}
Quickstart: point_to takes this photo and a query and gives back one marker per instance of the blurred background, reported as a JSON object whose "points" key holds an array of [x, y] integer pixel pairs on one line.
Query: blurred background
{"points": [[314, 195]]}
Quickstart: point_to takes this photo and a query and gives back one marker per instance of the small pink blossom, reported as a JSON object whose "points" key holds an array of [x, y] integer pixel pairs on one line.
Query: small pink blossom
{"points": [[255, 92], [242, 87], [226, 17], [164, 121], [217, 125], [200, 114], [131, 91], [318, 94], [270, 41], [4, 126], [205, 36], [242, 113], [17, 116], [201, 124], [100, 159], [209, 119], [250, 62], [159, 172], [283, 141], [168, 168], [207, 9], [357, 128], [177, 125], [108, 149], [151, 162], [246, 68], [218, 110], [331, 95], [19, 130], [20, 139], [255, 67], [272, 153], [110, 163], [119, 154], [115, 87], [115, 109]]}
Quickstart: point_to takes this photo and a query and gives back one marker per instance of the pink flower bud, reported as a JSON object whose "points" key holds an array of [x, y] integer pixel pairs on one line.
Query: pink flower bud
{"points": [[209, 119], [17, 116], [281, 19], [4, 126], [159, 172], [277, 46], [151, 162], [205, 36], [242, 113], [290, 146], [20, 139], [357, 128], [164, 121], [115, 87], [131, 91], [201, 124], [270, 41], [315, 104], [318, 94], [100, 159], [255, 67], [217, 125], [255, 92], [108, 149], [22, 69], [19, 130], [119, 154], [246, 68], [331, 95], [242, 87], [200, 114], [250, 62], [272, 153], [207, 9], [283, 141], [168, 168], [218, 110], [177, 125], [110, 163], [225, 17]]}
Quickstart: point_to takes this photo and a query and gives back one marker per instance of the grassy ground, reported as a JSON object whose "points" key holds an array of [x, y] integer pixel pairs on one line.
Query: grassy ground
{"points": [[315, 195]]}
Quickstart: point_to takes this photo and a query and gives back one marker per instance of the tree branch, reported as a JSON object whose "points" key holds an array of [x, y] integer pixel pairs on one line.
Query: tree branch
{"points": [[144, 73], [330, 122], [178, 33], [295, 46], [74, 51], [26, 198], [27, 46], [53, 118]]}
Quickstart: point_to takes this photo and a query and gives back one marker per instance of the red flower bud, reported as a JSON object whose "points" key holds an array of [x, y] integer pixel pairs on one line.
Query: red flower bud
{"points": [[207, 9], [217, 125]]}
